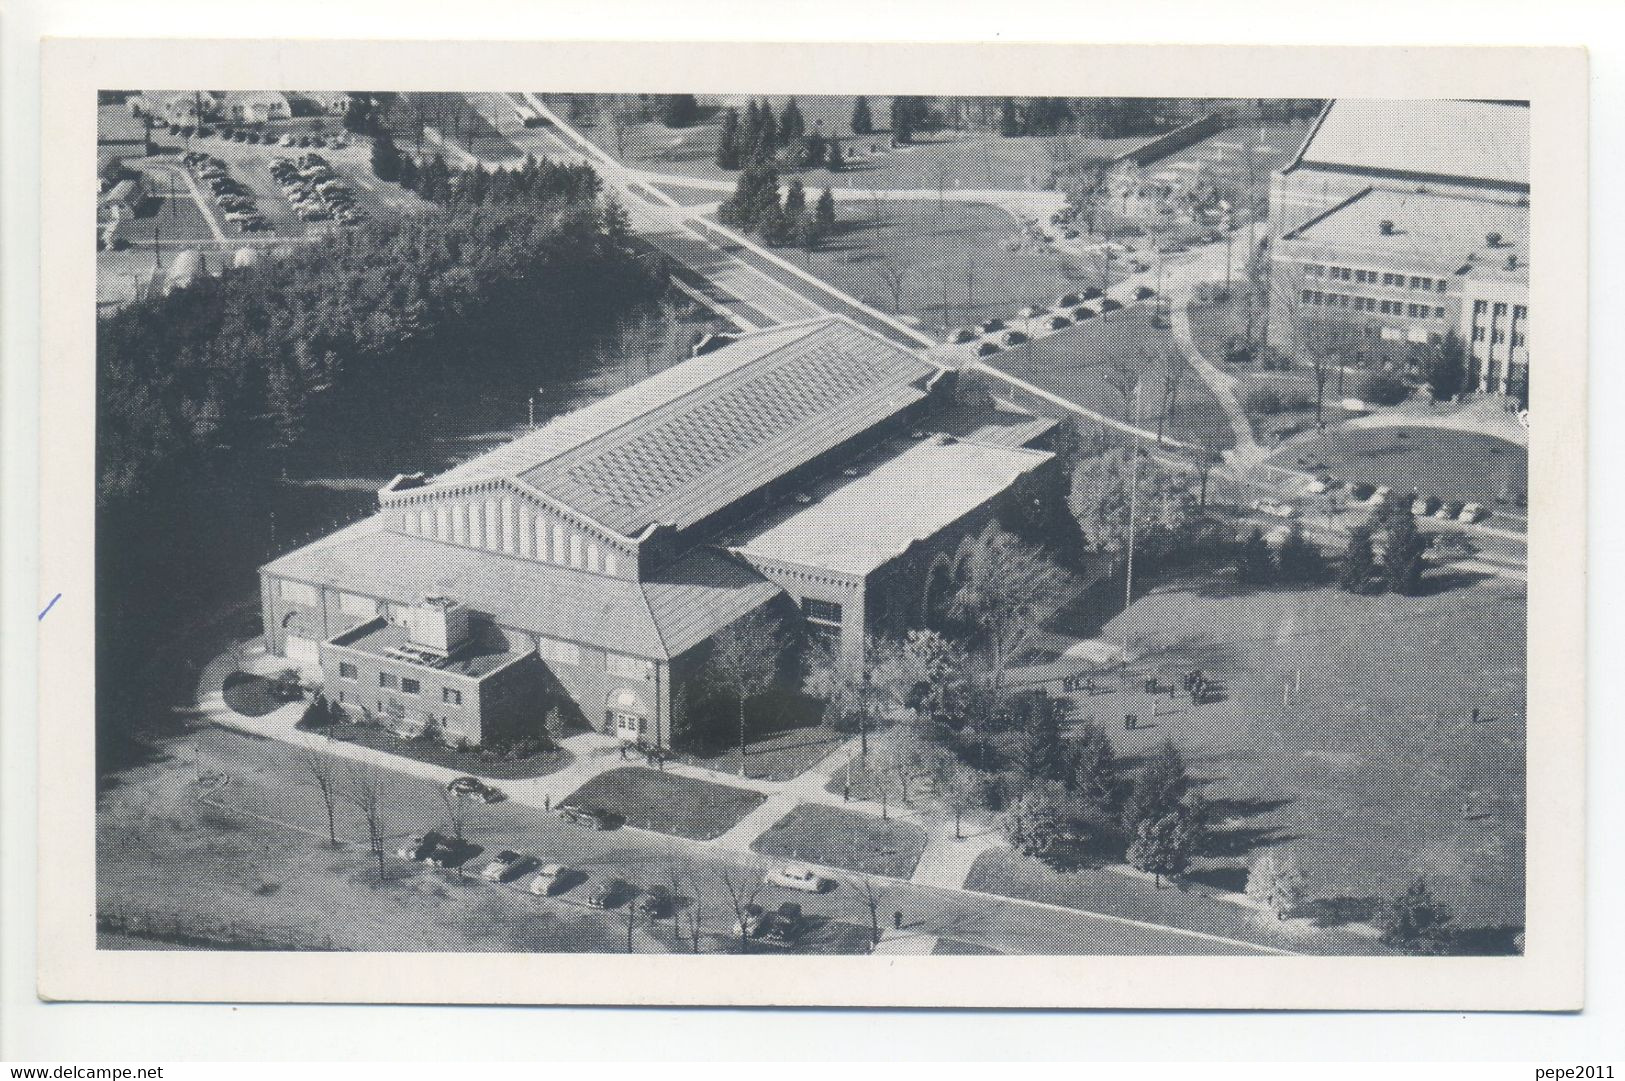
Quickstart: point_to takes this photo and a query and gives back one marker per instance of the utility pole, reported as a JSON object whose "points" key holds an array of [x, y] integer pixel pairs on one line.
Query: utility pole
{"points": [[533, 411], [1133, 492]]}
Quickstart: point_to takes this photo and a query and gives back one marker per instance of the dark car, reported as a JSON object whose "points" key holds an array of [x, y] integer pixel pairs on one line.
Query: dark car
{"points": [[1079, 314], [1092, 293], [1110, 305], [1144, 292], [784, 927], [654, 902], [1070, 300], [990, 325], [474, 788], [592, 817], [1013, 337], [987, 349], [1361, 491], [607, 892], [1057, 322]]}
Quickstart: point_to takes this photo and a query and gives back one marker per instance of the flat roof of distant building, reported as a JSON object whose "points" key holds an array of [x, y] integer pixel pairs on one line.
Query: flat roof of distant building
{"points": [[1442, 230], [1485, 142], [907, 493]]}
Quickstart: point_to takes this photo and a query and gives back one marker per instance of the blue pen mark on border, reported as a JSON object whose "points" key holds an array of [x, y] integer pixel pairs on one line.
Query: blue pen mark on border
{"points": [[50, 606]]}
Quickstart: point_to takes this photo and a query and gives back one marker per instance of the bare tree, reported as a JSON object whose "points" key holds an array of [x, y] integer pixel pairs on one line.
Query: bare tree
{"points": [[741, 889], [319, 768], [458, 812], [1122, 373], [1330, 344], [865, 887], [744, 660], [366, 793], [1173, 373], [1008, 589], [892, 274]]}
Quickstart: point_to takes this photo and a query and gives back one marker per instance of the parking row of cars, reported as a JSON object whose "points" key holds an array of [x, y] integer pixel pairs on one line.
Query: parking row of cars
{"points": [[1422, 506], [235, 201], [1067, 310], [316, 192]]}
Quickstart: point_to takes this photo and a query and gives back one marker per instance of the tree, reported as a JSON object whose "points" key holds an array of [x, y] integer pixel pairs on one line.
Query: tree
{"points": [[804, 232], [1299, 561], [1405, 549], [1254, 564], [824, 211], [892, 273], [386, 159], [1359, 564], [1009, 119], [1037, 822], [767, 134], [741, 890], [1445, 366], [750, 133], [1039, 751], [1415, 922], [1008, 590], [862, 122], [957, 785], [744, 661], [678, 110], [728, 139], [553, 725], [1159, 788], [792, 126], [316, 714], [1097, 776], [1275, 882], [319, 767], [1162, 846], [1331, 344], [872, 897], [458, 812], [795, 199], [366, 793]]}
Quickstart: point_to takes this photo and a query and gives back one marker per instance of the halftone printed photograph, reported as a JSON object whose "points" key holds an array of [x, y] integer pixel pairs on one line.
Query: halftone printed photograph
{"points": [[775, 531]]}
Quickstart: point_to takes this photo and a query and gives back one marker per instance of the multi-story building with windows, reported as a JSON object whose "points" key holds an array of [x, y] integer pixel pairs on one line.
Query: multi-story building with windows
{"points": [[1408, 220], [587, 565]]}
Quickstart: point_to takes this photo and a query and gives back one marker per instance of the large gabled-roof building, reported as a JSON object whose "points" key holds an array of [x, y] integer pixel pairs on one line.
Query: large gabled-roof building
{"points": [[589, 563], [1409, 220]]}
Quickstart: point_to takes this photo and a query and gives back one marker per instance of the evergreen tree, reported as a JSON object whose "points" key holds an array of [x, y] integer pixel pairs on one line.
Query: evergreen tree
{"points": [[1159, 788], [1097, 777], [1009, 121], [1039, 751], [825, 210], [862, 122], [814, 149], [1445, 367], [774, 224], [1254, 564], [678, 110], [795, 200], [792, 125], [767, 133], [1416, 922], [1162, 845], [902, 120], [1299, 560], [728, 140], [386, 159], [1359, 564], [750, 133], [1404, 550], [358, 115], [804, 232], [409, 178], [833, 161]]}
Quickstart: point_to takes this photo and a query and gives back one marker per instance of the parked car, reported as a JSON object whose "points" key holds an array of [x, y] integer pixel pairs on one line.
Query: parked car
{"points": [[592, 817], [1070, 300], [1110, 305], [1031, 311], [419, 845], [473, 788], [551, 879], [1450, 510], [1057, 322], [1144, 292], [784, 927], [654, 902], [1361, 491], [1424, 505], [450, 852], [1471, 513], [987, 349], [960, 336], [795, 876], [1092, 293], [507, 865], [1012, 337], [1274, 508], [988, 326], [607, 892], [1381, 495], [752, 921], [1079, 314], [1316, 486], [286, 140]]}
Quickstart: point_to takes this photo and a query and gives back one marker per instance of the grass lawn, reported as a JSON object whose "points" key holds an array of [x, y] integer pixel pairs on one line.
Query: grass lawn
{"points": [[924, 245], [667, 803], [1009, 874], [970, 160], [835, 838], [785, 738], [490, 766], [1431, 461], [1374, 771], [1075, 363], [250, 695], [176, 221]]}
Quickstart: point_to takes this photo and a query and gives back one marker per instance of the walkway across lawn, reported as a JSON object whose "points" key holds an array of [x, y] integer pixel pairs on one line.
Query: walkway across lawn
{"points": [[832, 837], [668, 803]]}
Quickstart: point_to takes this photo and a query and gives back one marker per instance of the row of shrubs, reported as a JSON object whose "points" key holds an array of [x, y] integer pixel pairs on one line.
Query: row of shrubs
{"points": [[1377, 388]]}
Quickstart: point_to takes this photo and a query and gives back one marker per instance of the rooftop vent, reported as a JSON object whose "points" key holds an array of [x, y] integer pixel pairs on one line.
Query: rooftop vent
{"points": [[1385, 227], [439, 624], [1492, 239], [404, 481], [1512, 260]]}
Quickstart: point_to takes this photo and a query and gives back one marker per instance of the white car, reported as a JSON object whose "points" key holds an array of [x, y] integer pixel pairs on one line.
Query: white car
{"points": [[1381, 495], [1274, 509], [551, 879], [1316, 487], [508, 864], [1471, 513], [794, 876]]}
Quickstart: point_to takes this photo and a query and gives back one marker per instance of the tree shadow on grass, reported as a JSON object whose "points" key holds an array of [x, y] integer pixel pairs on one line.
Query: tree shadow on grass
{"points": [[1245, 807], [1227, 879], [1496, 940], [1240, 842], [1338, 911], [1438, 582]]}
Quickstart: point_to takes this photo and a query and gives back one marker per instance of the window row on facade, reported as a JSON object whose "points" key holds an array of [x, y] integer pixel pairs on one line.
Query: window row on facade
{"points": [[389, 681], [1373, 304], [503, 526], [1390, 279]]}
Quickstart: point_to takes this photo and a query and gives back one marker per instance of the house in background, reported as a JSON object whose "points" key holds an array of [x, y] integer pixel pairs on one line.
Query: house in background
{"points": [[814, 469], [319, 102], [182, 107], [255, 107]]}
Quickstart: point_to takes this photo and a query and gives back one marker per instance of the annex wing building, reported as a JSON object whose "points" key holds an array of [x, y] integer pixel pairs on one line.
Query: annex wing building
{"points": [[1410, 219], [814, 467]]}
